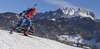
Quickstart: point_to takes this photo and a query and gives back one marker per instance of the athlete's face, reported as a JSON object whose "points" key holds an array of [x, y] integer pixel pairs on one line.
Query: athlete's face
{"points": [[33, 12]]}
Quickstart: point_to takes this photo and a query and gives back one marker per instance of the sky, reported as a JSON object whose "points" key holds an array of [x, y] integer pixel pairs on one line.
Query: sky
{"points": [[17, 6]]}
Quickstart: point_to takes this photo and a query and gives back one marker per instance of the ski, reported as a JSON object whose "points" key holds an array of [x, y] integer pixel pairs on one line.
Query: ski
{"points": [[28, 36]]}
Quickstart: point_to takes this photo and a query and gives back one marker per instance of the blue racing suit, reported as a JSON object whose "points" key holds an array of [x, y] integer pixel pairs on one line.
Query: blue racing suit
{"points": [[28, 21]]}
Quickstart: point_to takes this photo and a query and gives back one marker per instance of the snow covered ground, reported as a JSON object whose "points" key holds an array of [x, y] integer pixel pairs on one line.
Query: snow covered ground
{"points": [[18, 41]]}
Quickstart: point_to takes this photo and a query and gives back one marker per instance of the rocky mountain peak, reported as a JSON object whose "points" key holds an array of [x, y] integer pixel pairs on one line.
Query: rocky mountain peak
{"points": [[65, 13]]}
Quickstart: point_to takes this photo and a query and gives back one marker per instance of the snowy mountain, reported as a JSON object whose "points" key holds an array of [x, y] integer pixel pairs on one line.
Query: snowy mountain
{"points": [[18, 41], [66, 13]]}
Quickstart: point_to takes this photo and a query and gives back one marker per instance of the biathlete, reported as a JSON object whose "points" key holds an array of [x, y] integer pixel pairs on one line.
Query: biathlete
{"points": [[26, 18]]}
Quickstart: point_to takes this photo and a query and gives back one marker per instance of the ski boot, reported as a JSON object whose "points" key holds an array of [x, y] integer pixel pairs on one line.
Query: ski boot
{"points": [[12, 31], [26, 34]]}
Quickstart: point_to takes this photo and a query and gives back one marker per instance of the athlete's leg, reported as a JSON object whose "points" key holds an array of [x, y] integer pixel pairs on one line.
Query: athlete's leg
{"points": [[21, 24], [28, 21]]}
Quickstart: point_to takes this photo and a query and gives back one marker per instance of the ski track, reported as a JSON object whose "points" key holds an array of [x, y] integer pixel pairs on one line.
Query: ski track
{"points": [[16, 41]]}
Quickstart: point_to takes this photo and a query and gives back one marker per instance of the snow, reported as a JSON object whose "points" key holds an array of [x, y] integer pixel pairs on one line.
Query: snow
{"points": [[18, 41], [71, 38], [76, 38], [53, 19], [83, 14], [70, 12]]}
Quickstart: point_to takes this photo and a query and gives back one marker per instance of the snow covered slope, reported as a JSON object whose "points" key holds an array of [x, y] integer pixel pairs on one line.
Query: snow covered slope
{"points": [[18, 41]]}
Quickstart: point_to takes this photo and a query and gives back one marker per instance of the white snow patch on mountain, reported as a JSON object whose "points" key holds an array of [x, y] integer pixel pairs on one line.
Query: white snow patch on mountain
{"points": [[71, 12], [18, 41], [76, 38], [83, 14]]}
